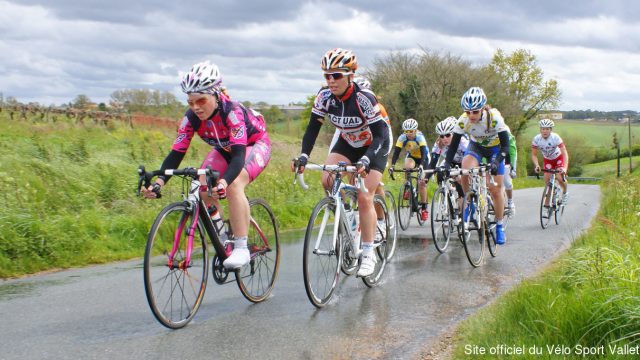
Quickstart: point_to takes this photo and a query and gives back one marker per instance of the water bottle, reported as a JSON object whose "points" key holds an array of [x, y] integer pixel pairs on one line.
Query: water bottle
{"points": [[214, 213]]}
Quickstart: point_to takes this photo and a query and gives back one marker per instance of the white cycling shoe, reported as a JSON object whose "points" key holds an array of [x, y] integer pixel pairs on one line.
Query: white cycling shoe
{"points": [[368, 265], [239, 257]]}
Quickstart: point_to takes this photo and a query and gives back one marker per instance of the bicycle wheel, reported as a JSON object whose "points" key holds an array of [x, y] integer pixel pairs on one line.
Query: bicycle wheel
{"points": [[349, 263], [321, 257], [441, 226], [558, 205], [416, 205], [381, 249], [257, 278], [405, 205], [507, 212], [473, 233], [174, 289], [392, 229], [490, 228], [546, 210]]}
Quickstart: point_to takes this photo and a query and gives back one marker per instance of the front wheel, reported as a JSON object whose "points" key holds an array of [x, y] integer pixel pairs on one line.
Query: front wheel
{"points": [[473, 229], [405, 206], [175, 288], [256, 279], [559, 205], [546, 207], [322, 255], [441, 225]]}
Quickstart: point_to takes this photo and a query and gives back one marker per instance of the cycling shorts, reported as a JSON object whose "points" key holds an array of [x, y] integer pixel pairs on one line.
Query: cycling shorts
{"points": [[256, 158], [556, 163], [480, 152], [379, 161]]}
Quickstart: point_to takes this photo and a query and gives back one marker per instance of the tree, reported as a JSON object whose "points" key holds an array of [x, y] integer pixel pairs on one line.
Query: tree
{"points": [[524, 81], [81, 102]]}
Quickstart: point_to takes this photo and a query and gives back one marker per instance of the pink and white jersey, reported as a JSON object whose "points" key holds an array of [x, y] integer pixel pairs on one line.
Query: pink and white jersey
{"points": [[230, 124], [550, 147]]}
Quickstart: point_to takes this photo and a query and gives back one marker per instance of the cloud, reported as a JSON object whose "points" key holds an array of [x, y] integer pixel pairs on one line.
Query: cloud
{"points": [[270, 51]]}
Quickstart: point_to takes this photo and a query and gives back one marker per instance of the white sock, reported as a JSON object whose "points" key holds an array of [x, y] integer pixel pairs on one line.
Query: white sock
{"points": [[240, 242], [499, 222], [367, 248]]}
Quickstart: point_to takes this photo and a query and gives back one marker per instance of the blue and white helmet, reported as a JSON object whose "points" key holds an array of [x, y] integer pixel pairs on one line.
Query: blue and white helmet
{"points": [[203, 77], [446, 126], [362, 82], [473, 99]]}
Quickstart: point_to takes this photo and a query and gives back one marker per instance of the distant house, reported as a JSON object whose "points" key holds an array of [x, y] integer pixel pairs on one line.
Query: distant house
{"points": [[552, 116]]}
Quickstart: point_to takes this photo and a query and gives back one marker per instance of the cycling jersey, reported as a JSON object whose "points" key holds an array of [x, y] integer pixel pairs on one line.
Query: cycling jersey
{"points": [[357, 115], [385, 116], [484, 132], [412, 146], [439, 151], [550, 147], [231, 126]]}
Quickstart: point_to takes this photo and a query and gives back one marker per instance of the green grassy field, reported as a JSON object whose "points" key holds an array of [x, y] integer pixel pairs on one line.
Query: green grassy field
{"points": [[610, 167]]}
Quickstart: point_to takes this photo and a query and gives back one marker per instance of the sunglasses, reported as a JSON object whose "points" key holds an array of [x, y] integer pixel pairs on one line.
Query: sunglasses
{"points": [[336, 76], [474, 112], [200, 102], [410, 132], [445, 136]]}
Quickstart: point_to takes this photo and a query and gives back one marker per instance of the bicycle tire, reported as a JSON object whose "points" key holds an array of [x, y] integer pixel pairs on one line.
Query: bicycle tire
{"points": [[175, 293], [256, 279], [405, 206], [490, 228], [381, 248], [416, 204], [558, 205], [473, 233], [441, 225], [324, 262], [545, 211], [349, 263], [392, 230]]}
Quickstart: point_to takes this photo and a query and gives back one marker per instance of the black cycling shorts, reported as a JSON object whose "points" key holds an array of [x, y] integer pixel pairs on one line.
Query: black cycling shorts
{"points": [[379, 161]]}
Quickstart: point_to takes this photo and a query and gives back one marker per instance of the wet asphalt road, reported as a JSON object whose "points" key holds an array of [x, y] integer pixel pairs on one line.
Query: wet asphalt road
{"points": [[101, 312]]}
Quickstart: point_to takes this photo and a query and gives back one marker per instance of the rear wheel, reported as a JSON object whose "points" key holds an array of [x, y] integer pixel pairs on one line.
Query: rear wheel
{"points": [[321, 258], [441, 226], [559, 206], [256, 279], [381, 249], [473, 233], [490, 228], [392, 228], [175, 289], [404, 205]]}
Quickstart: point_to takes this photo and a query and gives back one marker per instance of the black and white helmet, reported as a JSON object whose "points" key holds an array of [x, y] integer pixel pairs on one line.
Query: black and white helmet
{"points": [[546, 123], [362, 82], [203, 77], [446, 126], [410, 124]]}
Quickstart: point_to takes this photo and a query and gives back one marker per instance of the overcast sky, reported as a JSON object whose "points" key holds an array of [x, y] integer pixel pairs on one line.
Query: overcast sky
{"points": [[51, 51]]}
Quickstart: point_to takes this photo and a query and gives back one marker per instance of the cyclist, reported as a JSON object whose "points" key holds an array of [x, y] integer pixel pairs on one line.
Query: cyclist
{"points": [[444, 129], [510, 163], [241, 148], [363, 83], [414, 143], [489, 139], [364, 138], [554, 153]]}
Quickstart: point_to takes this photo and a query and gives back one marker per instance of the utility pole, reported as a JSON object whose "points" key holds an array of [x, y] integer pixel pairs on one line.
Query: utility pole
{"points": [[616, 145]]}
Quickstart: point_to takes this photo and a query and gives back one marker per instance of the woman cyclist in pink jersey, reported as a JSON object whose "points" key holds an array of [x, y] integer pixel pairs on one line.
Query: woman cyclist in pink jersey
{"points": [[241, 148]]}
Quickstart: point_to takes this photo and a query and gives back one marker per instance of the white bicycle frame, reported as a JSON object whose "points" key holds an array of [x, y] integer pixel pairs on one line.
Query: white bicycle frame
{"points": [[339, 205]]}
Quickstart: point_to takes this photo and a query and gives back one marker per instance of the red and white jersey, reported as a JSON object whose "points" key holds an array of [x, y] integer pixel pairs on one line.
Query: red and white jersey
{"points": [[550, 147]]}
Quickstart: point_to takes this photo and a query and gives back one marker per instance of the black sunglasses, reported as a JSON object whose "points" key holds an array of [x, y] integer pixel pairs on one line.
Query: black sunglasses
{"points": [[445, 136]]}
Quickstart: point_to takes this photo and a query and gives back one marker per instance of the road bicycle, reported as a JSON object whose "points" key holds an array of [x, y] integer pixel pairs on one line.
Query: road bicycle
{"points": [[408, 197], [445, 214], [477, 222], [393, 222], [551, 203], [332, 239], [176, 258]]}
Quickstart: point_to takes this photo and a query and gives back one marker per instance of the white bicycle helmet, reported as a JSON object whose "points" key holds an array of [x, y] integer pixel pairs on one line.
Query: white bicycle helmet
{"points": [[203, 77], [339, 59], [446, 126], [473, 99], [362, 82], [546, 123], [410, 124]]}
